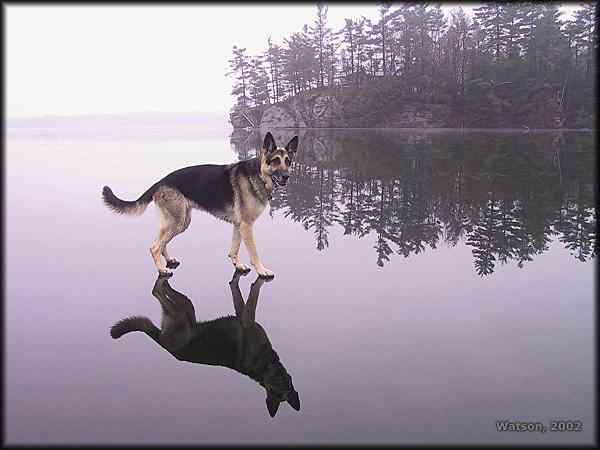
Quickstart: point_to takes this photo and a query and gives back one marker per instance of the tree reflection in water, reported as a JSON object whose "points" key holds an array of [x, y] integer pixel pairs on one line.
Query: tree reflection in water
{"points": [[504, 193]]}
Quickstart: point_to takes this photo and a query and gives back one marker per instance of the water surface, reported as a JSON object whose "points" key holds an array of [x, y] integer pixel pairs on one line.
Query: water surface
{"points": [[428, 284]]}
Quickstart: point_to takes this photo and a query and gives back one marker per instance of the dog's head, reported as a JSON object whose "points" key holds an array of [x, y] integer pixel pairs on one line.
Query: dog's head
{"points": [[275, 162], [278, 384]]}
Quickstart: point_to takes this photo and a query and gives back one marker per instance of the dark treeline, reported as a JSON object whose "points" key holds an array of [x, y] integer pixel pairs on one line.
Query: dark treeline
{"points": [[506, 195], [511, 64]]}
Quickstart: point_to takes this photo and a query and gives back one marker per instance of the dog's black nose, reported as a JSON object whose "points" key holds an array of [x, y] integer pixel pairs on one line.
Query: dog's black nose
{"points": [[285, 177]]}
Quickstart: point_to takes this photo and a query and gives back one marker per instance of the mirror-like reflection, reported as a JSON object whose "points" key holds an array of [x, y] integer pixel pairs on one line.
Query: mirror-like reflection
{"points": [[237, 342], [505, 194], [514, 345]]}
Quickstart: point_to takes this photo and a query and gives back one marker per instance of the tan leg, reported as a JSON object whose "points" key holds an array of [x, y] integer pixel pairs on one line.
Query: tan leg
{"points": [[235, 248], [248, 237], [166, 255], [158, 248], [174, 212], [172, 263]]}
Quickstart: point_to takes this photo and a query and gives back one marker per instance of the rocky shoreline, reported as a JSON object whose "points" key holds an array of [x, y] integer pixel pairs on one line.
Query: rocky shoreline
{"points": [[305, 110], [322, 110], [308, 110]]}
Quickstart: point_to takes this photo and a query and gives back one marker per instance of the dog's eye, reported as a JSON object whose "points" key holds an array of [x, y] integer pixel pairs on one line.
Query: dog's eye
{"points": [[287, 161]]}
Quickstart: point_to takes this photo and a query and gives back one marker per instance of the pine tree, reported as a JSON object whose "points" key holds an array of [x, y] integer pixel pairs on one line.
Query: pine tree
{"points": [[349, 40], [550, 43], [491, 16], [457, 47], [511, 29], [364, 49], [438, 23], [380, 32], [258, 82], [587, 17], [273, 56], [292, 60], [321, 40], [239, 67]]}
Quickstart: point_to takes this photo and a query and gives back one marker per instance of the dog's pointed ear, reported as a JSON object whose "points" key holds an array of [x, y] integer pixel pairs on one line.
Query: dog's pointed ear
{"points": [[292, 146], [272, 406], [269, 143], [294, 401]]}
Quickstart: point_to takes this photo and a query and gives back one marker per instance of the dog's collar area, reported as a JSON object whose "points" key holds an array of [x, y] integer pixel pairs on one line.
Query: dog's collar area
{"points": [[269, 191]]}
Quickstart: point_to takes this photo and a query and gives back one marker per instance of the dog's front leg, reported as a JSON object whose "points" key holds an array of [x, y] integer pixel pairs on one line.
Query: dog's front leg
{"points": [[248, 237], [235, 248]]}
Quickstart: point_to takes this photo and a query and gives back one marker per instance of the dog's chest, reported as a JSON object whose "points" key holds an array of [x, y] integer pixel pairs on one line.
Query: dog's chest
{"points": [[252, 207], [251, 201]]}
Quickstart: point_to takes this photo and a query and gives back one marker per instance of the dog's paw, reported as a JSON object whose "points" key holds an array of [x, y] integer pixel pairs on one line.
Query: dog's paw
{"points": [[265, 273], [165, 273], [172, 263], [262, 280]]}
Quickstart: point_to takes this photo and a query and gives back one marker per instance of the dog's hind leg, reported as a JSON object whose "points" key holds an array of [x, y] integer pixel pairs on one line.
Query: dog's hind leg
{"points": [[175, 215], [172, 263]]}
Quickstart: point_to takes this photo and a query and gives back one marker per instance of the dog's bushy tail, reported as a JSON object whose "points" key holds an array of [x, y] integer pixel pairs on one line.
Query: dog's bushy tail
{"points": [[132, 208], [135, 323]]}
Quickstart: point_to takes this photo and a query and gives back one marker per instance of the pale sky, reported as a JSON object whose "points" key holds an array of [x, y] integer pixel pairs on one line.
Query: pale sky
{"points": [[78, 59]]}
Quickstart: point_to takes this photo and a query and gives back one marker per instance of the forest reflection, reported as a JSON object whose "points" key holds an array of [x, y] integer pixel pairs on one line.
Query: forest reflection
{"points": [[503, 193]]}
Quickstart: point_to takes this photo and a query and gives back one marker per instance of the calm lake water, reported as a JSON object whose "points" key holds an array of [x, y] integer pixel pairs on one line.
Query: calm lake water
{"points": [[427, 285]]}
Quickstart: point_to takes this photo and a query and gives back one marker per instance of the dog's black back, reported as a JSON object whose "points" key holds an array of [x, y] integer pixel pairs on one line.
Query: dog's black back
{"points": [[208, 185]]}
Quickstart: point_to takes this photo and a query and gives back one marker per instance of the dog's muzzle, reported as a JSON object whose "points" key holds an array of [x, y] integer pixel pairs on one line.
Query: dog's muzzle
{"points": [[280, 179]]}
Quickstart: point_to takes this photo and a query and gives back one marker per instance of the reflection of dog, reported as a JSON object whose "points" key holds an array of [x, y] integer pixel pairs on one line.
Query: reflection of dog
{"points": [[237, 193], [237, 342]]}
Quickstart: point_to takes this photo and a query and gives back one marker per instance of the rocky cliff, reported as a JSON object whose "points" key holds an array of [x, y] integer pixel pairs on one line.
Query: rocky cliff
{"points": [[310, 110], [305, 110]]}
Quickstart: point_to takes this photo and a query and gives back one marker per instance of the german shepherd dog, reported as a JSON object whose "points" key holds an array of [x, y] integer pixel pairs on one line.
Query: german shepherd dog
{"points": [[237, 193], [236, 342]]}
